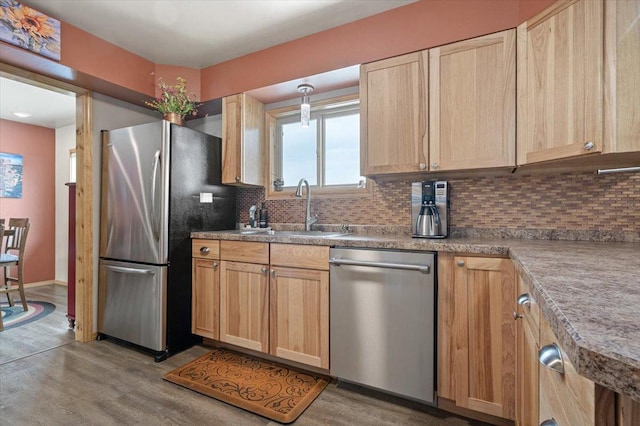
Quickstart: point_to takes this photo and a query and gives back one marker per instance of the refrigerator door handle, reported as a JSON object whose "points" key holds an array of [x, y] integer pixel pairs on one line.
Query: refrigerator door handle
{"points": [[154, 225], [130, 270]]}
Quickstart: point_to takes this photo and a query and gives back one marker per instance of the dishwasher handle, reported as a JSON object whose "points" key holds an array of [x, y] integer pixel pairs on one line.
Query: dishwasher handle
{"points": [[425, 269]]}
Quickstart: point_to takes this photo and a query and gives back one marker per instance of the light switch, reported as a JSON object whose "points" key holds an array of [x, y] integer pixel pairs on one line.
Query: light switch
{"points": [[206, 197]]}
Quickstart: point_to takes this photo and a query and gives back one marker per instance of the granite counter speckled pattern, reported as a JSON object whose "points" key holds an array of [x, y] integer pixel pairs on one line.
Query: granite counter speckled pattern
{"points": [[589, 292]]}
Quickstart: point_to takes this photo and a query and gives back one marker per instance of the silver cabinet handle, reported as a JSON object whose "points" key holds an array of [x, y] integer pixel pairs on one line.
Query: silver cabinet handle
{"points": [[589, 145], [549, 422], [435, 165], [215, 265], [237, 178], [461, 263], [204, 250], [551, 357], [422, 166], [524, 299], [263, 269], [273, 273], [516, 315]]}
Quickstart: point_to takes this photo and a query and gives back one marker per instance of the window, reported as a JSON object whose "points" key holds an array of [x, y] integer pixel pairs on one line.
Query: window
{"points": [[326, 154]]}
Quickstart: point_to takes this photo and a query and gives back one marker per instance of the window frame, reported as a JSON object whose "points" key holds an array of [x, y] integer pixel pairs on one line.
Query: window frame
{"points": [[326, 108]]}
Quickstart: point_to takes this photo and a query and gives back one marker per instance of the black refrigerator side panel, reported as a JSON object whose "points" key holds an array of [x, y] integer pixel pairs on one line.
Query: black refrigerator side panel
{"points": [[195, 168]]}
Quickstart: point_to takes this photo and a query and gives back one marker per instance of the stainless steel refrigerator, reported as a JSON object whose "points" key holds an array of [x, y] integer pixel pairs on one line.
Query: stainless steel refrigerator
{"points": [[160, 182]]}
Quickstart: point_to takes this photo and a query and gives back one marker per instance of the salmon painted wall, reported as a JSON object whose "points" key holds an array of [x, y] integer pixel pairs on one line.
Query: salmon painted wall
{"points": [[417, 26], [37, 146], [90, 61]]}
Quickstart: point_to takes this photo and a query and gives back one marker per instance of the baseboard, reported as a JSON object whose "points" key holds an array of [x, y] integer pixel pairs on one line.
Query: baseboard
{"points": [[43, 283]]}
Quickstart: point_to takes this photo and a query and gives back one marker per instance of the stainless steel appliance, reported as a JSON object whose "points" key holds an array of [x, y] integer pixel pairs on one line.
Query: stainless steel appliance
{"points": [[430, 209], [159, 183], [382, 310]]}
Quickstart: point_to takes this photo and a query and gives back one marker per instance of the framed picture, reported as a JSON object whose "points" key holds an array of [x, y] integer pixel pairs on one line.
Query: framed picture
{"points": [[10, 175], [29, 29]]}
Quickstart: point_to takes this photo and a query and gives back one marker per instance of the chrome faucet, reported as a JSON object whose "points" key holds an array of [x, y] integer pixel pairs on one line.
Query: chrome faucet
{"points": [[308, 219]]}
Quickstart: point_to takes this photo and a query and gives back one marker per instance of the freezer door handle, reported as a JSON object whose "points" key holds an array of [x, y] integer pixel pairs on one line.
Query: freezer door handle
{"points": [[154, 178], [130, 270]]}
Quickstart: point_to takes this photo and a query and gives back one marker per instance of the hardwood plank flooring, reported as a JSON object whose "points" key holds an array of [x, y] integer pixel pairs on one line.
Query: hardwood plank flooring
{"points": [[105, 383]]}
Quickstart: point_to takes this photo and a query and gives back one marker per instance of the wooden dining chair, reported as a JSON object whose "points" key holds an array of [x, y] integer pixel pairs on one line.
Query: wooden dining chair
{"points": [[1, 240], [16, 240]]}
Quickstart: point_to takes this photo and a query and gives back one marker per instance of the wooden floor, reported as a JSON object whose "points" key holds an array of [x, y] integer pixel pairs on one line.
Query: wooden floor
{"points": [[46, 378]]}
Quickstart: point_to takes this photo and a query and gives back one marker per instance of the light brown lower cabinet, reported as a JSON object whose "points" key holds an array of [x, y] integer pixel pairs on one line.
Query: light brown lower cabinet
{"points": [[300, 315], [244, 305], [476, 331], [300, 303], [279, 307], [527, 346], [205, 288]]}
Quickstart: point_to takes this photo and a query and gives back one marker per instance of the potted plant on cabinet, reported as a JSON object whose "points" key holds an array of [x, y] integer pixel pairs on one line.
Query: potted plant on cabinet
{"points": [[174, 102]]}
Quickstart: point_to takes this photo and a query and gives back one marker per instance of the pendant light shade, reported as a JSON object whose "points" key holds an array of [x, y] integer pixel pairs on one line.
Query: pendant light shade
{"points": [[305, 106]]}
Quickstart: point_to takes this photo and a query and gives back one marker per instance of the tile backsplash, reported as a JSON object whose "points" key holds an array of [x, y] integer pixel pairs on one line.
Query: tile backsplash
{"points": [[563, 206]]}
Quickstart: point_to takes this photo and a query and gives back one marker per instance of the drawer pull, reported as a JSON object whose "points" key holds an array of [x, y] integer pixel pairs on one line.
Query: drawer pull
{"points": [[524, 299], [551, 357], [460, 263], [215, 265], [516, 315], [263, 270], [549, 422], [204, 250]]}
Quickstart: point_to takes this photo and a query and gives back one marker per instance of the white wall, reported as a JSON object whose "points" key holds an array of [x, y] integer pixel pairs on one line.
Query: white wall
{"points": [[65, 140], [108, 114]]}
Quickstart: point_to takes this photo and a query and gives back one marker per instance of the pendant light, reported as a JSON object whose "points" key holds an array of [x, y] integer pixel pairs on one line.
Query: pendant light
{"points": [[305, 107]]}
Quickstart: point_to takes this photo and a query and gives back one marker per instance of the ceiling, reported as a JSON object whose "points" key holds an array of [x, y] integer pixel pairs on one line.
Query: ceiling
{"points": [[47, 108], [190, 33], [200, 33]]}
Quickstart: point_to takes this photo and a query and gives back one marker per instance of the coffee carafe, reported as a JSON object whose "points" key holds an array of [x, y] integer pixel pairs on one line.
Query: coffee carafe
{"points": [[429, 201]]}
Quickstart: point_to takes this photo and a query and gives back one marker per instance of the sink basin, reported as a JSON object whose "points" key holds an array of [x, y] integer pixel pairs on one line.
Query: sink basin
{"points": [[315, 234]]}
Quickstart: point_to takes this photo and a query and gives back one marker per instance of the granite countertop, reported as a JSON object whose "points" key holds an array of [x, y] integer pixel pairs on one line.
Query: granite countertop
{"points": [[589, 292]]}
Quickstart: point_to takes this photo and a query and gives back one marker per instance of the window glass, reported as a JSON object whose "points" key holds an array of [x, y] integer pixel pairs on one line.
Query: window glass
{"points": [[299, 153], [342, 149]]}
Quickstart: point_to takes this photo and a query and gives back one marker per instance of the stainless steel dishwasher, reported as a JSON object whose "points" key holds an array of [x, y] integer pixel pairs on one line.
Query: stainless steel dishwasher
{"points": [[382, 311]]}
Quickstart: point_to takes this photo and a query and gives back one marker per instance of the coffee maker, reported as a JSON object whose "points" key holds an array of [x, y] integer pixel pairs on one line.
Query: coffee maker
{"points": [[429, 209]]}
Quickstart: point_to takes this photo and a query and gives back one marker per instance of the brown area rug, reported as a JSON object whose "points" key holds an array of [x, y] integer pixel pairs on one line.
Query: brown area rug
{"points": [[271, 390]]}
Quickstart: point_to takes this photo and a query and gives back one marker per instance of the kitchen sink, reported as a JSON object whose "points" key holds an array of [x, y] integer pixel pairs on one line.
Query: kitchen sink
{"points": [[316, 234], [313, 234]]}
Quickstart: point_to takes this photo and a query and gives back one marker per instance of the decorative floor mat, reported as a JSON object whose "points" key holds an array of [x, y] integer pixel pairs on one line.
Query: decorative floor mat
{"points": [[275, 391]]}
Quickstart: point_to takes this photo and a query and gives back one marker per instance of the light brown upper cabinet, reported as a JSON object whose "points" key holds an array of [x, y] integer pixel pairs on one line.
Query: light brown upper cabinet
{"points": [[393, 113], [242, 141], [578, 81], [472, 103], [560, 82]]}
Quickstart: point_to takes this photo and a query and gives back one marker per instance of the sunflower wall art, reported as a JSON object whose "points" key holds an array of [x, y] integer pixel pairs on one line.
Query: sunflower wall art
{"points": [[25, 27]]}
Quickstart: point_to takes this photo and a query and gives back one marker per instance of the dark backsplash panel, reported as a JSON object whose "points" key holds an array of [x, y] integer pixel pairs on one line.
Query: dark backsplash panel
{"points": [[556, 204]]}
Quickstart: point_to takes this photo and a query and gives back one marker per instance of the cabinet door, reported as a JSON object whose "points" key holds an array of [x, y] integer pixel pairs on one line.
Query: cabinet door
{"points": [[300, 315], [393, 115], [244, 298], [560, 82], [242, 141], [472, 103], [527, 384], [205, 300], [484, 333]]}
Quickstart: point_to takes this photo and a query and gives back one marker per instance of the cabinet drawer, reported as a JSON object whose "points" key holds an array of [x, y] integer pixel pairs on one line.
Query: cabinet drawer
{"points": [[244, 251], [570, 398], [530, 311], [205, 249], [300, 256]]}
